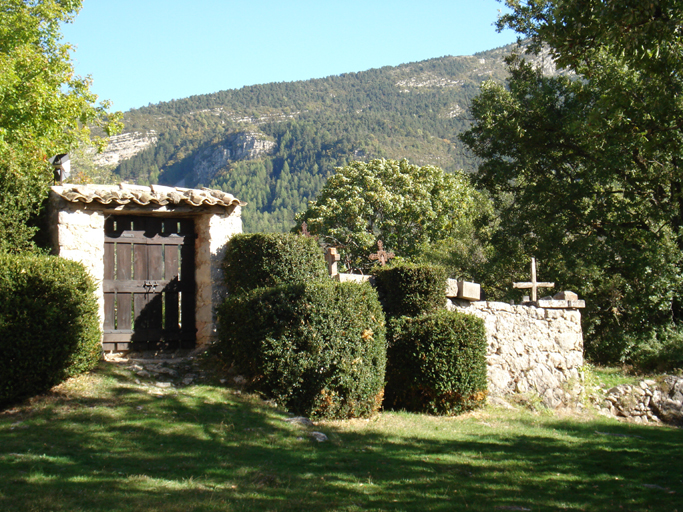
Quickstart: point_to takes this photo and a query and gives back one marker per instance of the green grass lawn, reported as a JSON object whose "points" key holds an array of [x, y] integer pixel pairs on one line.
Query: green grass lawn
{"points": [[106, 442]]}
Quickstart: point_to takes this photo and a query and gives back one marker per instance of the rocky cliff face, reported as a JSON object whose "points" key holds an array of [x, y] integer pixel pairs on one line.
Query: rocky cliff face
{"points": [[125, 146], [239, 146]]}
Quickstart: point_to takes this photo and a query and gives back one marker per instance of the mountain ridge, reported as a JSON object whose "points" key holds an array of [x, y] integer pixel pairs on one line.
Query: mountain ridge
{"points": [[305, 129]]}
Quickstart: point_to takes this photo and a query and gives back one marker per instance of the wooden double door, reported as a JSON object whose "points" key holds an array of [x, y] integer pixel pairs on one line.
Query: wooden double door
{"points": [[149, 283]]}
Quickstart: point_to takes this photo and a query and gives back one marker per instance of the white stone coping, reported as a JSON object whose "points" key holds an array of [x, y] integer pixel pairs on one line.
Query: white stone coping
{"points": [[504, 306], [561, 304]]}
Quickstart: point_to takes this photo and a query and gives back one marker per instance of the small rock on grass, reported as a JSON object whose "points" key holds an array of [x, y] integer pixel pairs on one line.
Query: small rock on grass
{"points": [[301, 420], [319, 436], [496, 400]]}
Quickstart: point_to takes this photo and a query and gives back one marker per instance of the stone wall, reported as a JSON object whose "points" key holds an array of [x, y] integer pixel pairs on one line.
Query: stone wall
{"points": [[213, 233], [649, 401], [77, 234], [530, 350]]}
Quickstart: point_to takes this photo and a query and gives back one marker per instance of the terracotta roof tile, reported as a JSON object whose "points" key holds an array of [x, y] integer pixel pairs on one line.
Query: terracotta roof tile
{"points": [[155, 195]]}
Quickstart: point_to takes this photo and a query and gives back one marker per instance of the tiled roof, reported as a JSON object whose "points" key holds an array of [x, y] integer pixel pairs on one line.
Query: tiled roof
{"points": [[154, 195]]}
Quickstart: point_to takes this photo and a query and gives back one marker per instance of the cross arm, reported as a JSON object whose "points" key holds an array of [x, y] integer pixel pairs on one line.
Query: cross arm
{"points": [[531, 285]]}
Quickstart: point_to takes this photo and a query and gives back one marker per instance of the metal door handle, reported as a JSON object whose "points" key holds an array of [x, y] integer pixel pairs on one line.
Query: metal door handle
{"points": [[150, 286]]}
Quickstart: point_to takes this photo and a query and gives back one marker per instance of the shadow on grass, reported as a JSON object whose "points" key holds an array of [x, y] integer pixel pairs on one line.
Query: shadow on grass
{"points": [[206, 448]]}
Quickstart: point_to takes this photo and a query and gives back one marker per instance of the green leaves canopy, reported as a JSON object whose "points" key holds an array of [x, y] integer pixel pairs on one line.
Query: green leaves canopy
{"points": [[645, 34], [44, 108], [585, 170], [403, 205]]}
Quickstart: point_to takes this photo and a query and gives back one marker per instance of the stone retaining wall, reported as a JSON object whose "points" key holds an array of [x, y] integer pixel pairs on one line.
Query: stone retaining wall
{"points": [[649, 401], [530, 350]]}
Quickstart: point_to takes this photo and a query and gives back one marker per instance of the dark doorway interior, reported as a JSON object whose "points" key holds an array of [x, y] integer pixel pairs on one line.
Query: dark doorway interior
{"points": [[149, 284]]}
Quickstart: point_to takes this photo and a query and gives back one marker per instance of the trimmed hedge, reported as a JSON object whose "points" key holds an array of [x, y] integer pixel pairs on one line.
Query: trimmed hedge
{"points": [[317, 348], [410, 290], [271, 259], [436, 363], [49, 324]]}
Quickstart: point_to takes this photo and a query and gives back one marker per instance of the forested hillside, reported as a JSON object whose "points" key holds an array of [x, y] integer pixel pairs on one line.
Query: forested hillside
{"points": [[274, 145]]}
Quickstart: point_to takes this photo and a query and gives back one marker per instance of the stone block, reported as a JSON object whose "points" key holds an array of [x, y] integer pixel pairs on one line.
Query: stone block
{"points": [[566, 295], [561, 304], [77, 218], [500, 306], [557, 360], [519, 348], [551, 314], [568, 341], [521, 386], [574, 359], [499, 381], [552, 304], [452, 288], [670, 411], [573, 317], [469, 291], [352, 278]]}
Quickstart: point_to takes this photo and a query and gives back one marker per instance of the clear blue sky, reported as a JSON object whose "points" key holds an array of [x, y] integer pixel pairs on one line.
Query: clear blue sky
{"points": [[148, 51]]}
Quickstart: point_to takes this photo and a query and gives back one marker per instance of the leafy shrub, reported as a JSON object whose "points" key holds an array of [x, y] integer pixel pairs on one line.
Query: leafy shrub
{"points": [[660, 350], [271, 259], [436, 363], [49, 324], [317, 348], [23, 189], [410, 289]]}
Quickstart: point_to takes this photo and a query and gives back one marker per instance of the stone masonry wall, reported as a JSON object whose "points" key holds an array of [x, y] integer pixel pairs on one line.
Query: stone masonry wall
{"points": [[78, 234], [213, 233], [530, 350]]}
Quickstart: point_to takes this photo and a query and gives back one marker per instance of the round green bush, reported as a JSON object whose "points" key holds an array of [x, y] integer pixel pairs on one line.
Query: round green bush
{"points": [[49, 324], [271, 259], [317, 348], [409, 289], [436, 363]]}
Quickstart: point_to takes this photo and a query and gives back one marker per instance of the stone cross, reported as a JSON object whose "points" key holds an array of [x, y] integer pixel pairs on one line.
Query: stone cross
{"points": [[534, 285], [381, 255], [332, 257]]}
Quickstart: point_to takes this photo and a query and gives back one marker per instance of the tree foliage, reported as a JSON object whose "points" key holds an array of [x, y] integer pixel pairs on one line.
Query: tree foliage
{"points": [[405, 206], [45, 108], [645, 34], [585, 170]]}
